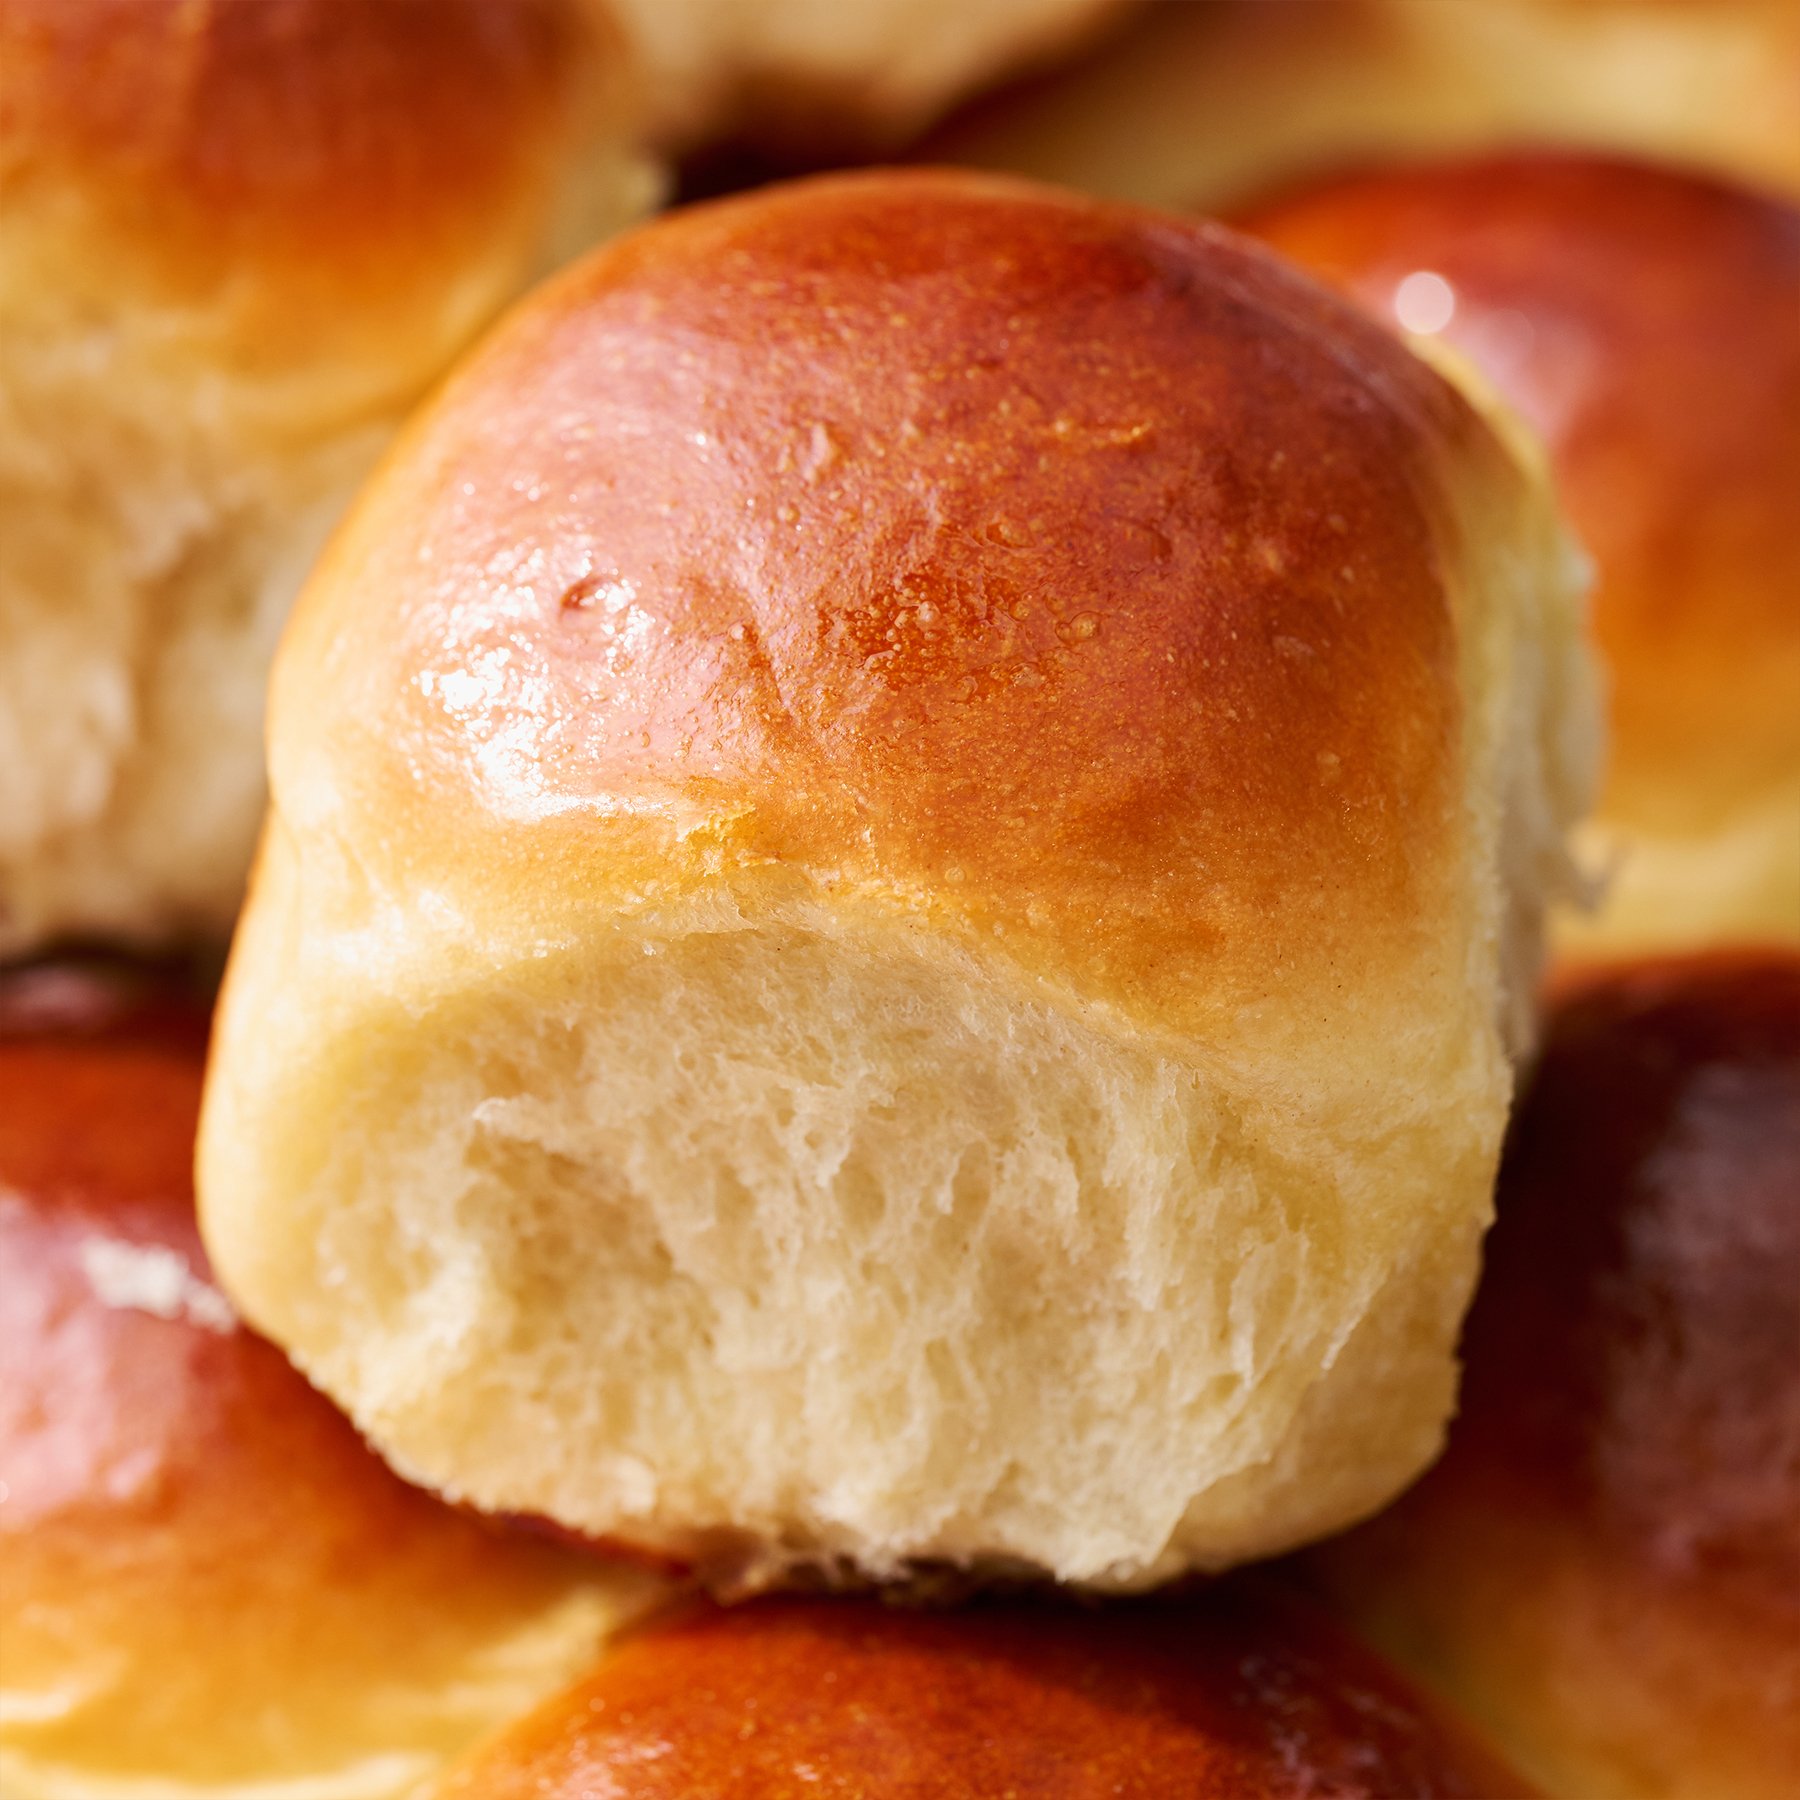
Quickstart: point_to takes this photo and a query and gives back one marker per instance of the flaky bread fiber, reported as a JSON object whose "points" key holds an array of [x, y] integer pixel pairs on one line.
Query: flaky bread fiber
{"points": [[237, 241], [1604, 1569], [208, 1584], [1245, 1693], [1647, 323], [907, 836]]}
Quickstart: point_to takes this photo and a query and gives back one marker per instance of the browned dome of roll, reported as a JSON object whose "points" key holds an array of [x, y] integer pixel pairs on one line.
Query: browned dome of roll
{"points": [[1647, 322], [1245, 1694], [288, 131], [1605, 1567], [883, 504], [205, 1577]]}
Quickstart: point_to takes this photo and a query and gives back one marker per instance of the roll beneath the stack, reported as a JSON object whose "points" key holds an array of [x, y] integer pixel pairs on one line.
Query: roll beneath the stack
{"points": [[1647, 322], [208, 1584], [1244, 1693], [1604, 1570], [907, 843], [237, 242]]}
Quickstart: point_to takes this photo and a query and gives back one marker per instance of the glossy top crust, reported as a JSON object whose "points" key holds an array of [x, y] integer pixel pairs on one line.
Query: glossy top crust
{"points": [[930, 533], [284, 128], [1245, 1694], [1648, 323]]}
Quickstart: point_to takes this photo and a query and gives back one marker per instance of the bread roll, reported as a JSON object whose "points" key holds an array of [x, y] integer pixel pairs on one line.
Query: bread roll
{"points": [[208, 1585], [237, 241], [1605, 1567], [1647, 322], [799, 73], [1206, 103], [906, 841], [1245, 1695]]}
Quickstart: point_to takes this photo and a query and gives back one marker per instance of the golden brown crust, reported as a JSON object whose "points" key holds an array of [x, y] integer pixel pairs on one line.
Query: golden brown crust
{"points": [[285, 130], [1648, 323], [1242, 1693], [198, 1557], [868, 522], [1606, 1564]]}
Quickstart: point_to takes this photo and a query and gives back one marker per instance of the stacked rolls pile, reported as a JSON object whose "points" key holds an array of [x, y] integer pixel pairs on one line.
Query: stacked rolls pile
{"points": [[912, 837]]}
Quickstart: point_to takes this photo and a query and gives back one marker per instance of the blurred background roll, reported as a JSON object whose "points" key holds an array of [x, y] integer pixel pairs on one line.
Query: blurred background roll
{"points": [[1604, 1569], [1202, 102], [207, 1583], [809, 76], [236, 242], [1241, 1694], [1647, 323]]}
